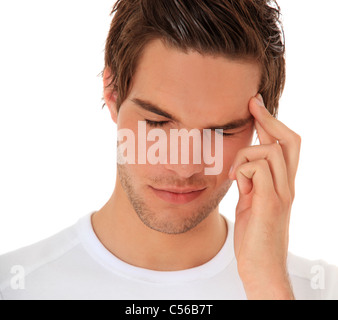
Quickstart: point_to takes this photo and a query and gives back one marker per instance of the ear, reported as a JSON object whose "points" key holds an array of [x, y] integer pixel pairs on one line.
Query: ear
{"points": [[109, 94]]}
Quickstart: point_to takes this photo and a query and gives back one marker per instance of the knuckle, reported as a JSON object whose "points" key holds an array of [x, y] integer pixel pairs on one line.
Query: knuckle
{"points": [[297, 139], [282, 206], [239, 169], [241, 154], [263, 164], [276, 147], [275, 204], [288, 198], [286, 201]]}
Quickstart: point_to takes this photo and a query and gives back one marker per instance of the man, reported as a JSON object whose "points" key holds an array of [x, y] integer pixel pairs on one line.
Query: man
{"points": [[215, 69]]}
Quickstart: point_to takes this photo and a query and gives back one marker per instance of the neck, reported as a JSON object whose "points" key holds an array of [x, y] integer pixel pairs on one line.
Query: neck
{"points": [[122, 232]]}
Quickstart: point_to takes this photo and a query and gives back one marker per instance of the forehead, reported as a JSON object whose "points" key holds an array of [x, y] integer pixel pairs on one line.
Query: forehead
{"points": [[195, 87]]}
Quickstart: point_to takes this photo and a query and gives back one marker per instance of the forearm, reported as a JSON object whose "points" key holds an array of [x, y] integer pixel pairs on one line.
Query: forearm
{"points": [[277, 288]]}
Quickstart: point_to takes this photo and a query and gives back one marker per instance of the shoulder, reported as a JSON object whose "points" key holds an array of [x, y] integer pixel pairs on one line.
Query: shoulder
{"points": [[29, 259], [313, 279]]}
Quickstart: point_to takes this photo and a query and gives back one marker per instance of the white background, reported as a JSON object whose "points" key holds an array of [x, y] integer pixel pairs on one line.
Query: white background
{"points": [[57, 146]]}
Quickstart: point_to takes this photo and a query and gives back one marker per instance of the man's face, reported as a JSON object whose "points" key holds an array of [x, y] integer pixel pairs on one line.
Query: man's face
{"points": [[191, 91]]}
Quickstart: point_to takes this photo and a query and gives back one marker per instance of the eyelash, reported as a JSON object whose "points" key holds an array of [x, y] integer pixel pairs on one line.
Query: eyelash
{"points": [[157, 124]]}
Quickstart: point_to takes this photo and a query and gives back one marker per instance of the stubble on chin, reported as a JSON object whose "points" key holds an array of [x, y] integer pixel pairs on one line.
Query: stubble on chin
{"points": [[157, 221]]}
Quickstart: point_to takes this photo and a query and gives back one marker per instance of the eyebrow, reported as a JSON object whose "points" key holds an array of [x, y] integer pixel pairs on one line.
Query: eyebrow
{"points": [[148, 106], [234, 124], [153, 108]]}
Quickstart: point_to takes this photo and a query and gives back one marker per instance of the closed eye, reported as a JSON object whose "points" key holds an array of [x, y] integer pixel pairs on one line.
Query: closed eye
{"points": [[157, 124], [225, 134]]}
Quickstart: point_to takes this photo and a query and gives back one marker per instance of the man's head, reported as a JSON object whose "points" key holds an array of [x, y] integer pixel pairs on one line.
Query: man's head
{"points": [[238, 30], [193, 65]]}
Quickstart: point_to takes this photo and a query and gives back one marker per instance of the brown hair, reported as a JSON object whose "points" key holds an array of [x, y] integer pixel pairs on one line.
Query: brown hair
{"points": [[236, 29]]}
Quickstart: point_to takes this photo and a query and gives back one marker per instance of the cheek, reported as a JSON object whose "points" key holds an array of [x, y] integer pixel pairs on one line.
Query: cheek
{"points": [[229, 153], [231, 148]]}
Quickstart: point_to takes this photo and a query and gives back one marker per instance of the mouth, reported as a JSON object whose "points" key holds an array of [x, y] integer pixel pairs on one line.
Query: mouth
{"points": [[178, 196]]}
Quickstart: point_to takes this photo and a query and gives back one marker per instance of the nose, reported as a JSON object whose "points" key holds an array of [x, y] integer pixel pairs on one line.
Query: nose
{"points": [[185, 157], [185, 171]]}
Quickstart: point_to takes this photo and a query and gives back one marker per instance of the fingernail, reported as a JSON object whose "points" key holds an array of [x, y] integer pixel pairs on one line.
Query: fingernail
{"points": [[260, 100]]}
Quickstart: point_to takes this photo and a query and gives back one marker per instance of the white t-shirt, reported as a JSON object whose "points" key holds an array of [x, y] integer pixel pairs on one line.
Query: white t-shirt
{"points": [[75, 265]]}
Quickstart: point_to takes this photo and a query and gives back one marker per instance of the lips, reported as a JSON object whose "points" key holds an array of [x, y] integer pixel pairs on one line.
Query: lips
{"points": [[177, 190], [177, 195]]}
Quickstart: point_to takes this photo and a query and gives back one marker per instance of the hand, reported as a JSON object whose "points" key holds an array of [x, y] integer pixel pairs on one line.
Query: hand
{"points": [[265, 176]]}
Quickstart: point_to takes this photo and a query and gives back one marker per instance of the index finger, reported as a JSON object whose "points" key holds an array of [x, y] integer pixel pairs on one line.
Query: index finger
{"points": [[288, 139]]}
